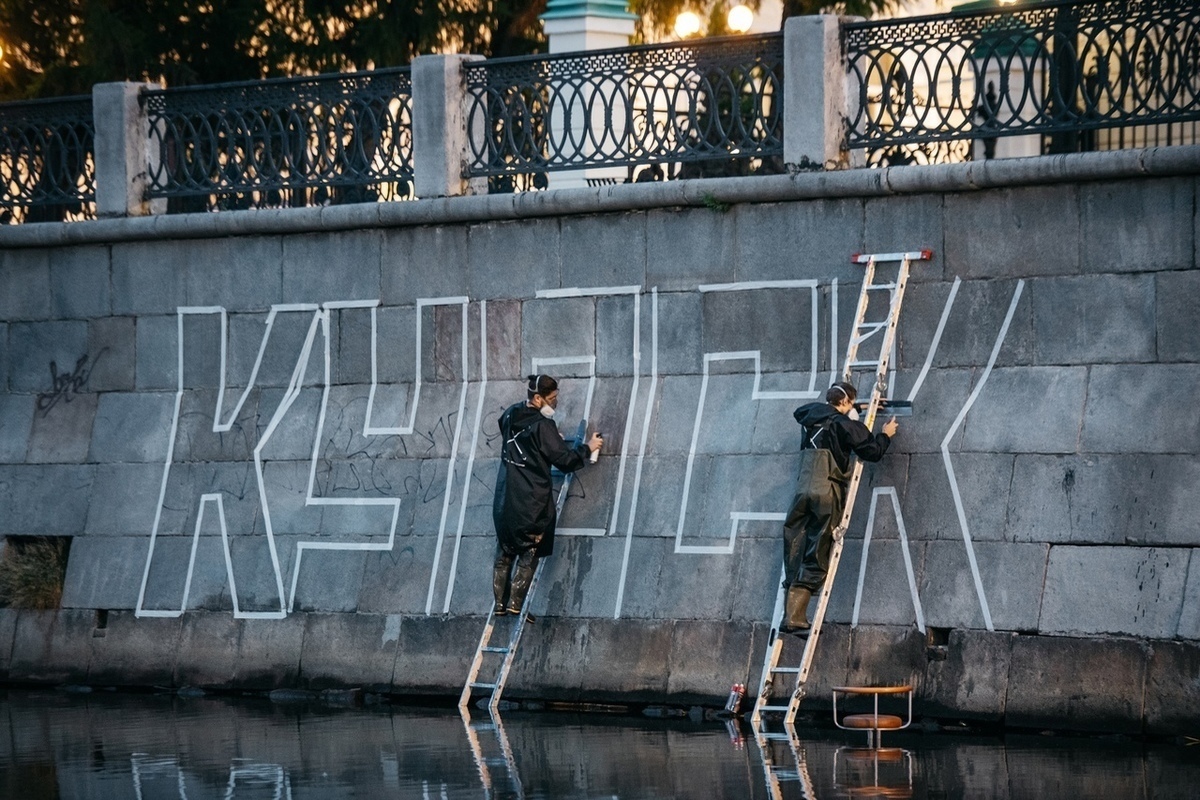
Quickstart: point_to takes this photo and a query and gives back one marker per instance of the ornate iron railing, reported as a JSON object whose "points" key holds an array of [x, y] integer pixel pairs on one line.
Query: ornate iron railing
{"points": [[47, 160], [291, 142], [1062, 71], [692, 108]]}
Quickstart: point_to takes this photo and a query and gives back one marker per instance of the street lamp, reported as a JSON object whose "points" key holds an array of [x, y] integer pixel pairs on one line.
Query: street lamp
{"points": [[740, 19]]}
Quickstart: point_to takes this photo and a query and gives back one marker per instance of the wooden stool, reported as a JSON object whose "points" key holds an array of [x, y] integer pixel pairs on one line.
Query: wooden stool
{"points": [[874, 723]]}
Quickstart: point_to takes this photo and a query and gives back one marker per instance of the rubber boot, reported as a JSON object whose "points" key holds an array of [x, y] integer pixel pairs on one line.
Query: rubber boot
{"points": [[500, 573], [796, 606], [522, 577]]}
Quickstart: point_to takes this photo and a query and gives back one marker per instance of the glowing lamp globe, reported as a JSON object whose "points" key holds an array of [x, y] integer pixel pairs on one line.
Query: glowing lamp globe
{"points": [[740, 19], [687, 24]]}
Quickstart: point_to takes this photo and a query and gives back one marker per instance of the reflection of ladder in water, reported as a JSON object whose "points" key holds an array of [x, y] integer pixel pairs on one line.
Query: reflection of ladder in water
{"points": [[870, 301], [493, 689], [776, 775], [483, 762]]}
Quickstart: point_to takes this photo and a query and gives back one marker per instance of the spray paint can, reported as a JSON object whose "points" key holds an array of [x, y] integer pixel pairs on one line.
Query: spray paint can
{"points": [[596, 453], [734, 704]]}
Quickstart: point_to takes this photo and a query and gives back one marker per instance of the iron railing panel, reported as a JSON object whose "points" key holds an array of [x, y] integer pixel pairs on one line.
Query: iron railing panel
{"points": [[289, 142], [1058, 70], [47, 160], [677, 104]]}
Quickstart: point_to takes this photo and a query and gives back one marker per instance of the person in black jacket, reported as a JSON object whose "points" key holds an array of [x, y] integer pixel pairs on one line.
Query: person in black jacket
{"points": [[523, 509], [831, 435]]}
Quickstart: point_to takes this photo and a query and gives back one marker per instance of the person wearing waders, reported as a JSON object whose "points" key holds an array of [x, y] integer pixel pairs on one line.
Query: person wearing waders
{"points": [[832, 433], [523, 509]]}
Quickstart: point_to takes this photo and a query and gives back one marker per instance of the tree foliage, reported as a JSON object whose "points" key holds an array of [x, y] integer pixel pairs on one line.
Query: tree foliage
{"points": [[58, 47]]}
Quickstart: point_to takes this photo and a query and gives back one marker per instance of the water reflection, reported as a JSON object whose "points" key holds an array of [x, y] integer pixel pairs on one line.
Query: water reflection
{"points": [[102, 745]]}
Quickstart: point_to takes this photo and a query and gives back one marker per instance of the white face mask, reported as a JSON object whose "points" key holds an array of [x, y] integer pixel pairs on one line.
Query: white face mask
{"points": [[852, 413], [547, 411]]}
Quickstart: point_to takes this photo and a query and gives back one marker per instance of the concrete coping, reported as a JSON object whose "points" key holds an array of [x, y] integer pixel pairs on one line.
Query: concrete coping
{"points": [[969, 176]]}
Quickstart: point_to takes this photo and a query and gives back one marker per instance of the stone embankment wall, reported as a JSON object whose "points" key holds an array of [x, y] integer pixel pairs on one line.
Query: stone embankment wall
{"points": [[271, 437]]}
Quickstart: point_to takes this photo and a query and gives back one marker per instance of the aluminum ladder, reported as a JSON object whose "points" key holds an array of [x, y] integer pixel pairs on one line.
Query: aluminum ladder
{"points": [[793, 770], [865, 330], [492, 690]]}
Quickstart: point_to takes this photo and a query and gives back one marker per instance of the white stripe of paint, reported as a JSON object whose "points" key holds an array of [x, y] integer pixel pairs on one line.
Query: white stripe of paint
{"points": [[597, 291], [746, 286], [937, 339]]}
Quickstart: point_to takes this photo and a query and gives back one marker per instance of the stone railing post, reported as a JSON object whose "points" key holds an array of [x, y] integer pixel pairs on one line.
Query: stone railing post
{"points": [[122, 150], [814, 94], [439, 120]]}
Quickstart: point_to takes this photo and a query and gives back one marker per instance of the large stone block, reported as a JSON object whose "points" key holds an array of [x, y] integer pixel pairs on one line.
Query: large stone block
{"points": [[1011, 575], [972, 680], [1076, 684], [472, 591], [1105, 499], [629, 658], [1013, 232], [606, 250], [905, 223], [105, 572], [759, 565], [49, 500], [196, 434], [1177, 316], [349, 650], [553, 662], [268, 652], [1119, 394], [706, 656], [982, 482], [1136, 590], [62, 433], [208, 650], [1158, 237], [323, 267], [25, 285], [79, 282], [46, 357], [1029, 410], [688, 247], [1094, 319], [112, 342], [559, 328], [936, 405], [512, 260], [149, 277], [156, 365], [504, 338], [691, 585], [241, 273], [132, 427], [330, 580], [1172, 688], [16, 423], [134, 652], [680, 329], [423, 262], [785, 241], [785, 326], [434, 654], [52, 646], [1189, 619], [396, 581], [5, 358], [885, 656]]}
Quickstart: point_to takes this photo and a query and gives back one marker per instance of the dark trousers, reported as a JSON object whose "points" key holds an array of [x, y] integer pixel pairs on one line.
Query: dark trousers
{"points": [[509, 585], [808, 530]]}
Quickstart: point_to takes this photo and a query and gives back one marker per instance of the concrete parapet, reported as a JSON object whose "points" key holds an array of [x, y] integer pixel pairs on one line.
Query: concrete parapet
{"points": [[814, 93], [123, 154], [439, 124]]}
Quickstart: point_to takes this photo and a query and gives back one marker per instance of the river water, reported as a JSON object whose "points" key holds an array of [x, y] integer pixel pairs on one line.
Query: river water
{"points": [[108, 745]]}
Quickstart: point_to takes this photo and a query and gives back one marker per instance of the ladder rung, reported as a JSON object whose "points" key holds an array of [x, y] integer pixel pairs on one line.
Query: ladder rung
{"points": [[483, 685], [876, 286], [773, 708], [776, 737], [785, 669], [483, 726], [494, 649], [863, 364]]}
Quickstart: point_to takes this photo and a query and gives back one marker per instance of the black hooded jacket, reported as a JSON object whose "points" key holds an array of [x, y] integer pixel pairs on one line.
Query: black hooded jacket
{"points": [[524, 502], [825, 428]]}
